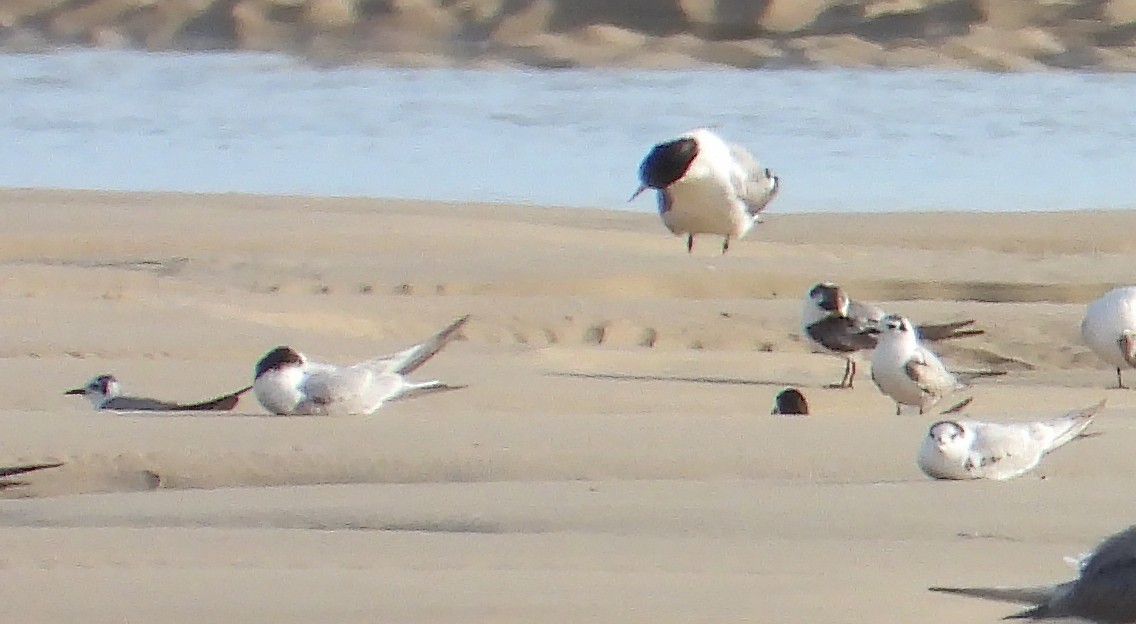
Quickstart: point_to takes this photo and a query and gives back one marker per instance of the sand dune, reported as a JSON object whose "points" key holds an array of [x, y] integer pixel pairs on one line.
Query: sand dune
{"points": [[612, 458]]}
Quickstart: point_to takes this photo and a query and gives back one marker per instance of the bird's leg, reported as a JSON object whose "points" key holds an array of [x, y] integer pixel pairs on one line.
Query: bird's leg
{"points": [[689, 243], [725, 245], [846, 380], [1119, 380], [898, 409]]}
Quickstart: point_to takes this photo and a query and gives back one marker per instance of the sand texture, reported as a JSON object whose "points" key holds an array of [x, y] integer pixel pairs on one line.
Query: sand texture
{"points": [[612, 458]]}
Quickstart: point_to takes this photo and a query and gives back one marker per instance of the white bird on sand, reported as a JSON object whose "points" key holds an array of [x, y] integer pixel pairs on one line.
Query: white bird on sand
{"points": [[104, 393], [835, 324], [1109, 329], [287, 383], [1104, 591], [706, 186], [971, 449], [910, 373]]}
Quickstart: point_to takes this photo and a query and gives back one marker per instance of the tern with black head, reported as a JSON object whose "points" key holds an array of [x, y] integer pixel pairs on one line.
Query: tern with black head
{"points": [[104, 393], [835, 324], [288, 383], [707, 186]]}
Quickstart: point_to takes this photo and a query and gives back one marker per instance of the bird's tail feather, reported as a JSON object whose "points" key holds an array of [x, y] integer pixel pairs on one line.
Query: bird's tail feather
{"points": [[948, 331], [409, 360], [1070, 426], [427, 387], [219, 404], [1034, 596]]}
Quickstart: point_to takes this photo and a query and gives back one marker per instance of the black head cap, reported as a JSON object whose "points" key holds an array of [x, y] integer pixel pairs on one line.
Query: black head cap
{"points": [[276, 359], [667, 162], [828, 296], [791, 402]]}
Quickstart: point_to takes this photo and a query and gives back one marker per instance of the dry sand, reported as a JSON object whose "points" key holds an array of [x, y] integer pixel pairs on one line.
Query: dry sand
{"points": [[613, 458]]}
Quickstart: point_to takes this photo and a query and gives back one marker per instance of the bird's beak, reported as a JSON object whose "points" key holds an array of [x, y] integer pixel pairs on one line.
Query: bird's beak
{"points": [[75, 391], [638, 192], [870, 330]]}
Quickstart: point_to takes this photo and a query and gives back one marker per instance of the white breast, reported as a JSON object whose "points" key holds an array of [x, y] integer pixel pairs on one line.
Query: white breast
{"points": [[1106, 319]]}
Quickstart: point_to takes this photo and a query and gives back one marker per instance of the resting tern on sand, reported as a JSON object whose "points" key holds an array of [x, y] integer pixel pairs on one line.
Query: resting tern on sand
{"points": [[1109, 329], [104, 394], [836, 324], [706, 186], [287, 383], [1103, 592], [910, 373], [971, 449]]}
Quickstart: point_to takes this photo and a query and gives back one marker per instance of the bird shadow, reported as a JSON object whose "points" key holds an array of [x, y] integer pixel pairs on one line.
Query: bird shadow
{"points": [[729, 381]]}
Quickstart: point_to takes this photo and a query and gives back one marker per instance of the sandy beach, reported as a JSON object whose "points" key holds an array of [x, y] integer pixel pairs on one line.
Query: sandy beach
{"points": [[612, 459]]}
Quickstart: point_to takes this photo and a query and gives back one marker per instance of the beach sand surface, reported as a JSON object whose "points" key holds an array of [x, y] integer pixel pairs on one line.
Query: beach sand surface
{"points": [[612, 458]]}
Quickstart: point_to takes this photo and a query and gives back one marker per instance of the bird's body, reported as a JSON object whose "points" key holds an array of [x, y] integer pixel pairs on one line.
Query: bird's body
{"points": [[791, 402], [706, 186], [1104, 591], [1109, 329], [835, 324], [970, 449], [907, 371], [287, 383], [104, 393]]}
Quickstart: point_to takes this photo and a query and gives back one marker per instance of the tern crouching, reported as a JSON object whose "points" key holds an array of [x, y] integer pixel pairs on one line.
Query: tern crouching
{"points": [[287, 383]]}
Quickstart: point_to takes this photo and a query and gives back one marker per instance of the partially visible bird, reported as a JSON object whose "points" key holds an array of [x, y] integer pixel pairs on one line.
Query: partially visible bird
{"points": [[104, 393], [287, 383], [971, 449], [1109, 329], [10, 471], [1104, 591], [706, 186], [790, 401], [835, 324]]}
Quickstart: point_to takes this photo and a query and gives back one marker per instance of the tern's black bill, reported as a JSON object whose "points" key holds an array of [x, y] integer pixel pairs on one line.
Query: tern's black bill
{"points": [[75, 391]]}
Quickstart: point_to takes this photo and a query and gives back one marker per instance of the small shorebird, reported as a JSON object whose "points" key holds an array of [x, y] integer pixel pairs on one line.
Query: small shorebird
{"points": [[1109, 329], [104, 394], [907, 371], [706, 186], [971, 449], [1104, 591], [835, 324], [287, 383]]}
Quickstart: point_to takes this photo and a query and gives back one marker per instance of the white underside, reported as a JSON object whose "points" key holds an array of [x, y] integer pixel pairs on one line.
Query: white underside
{"points": [[703, 206], [1105, 321]]}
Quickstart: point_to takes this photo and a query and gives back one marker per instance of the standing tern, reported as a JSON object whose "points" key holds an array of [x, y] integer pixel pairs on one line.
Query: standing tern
{"points": [[835, 324], [706, 186]]}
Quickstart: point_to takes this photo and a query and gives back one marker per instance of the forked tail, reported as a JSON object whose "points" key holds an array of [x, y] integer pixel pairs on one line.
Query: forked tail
{"points": [[409, 360], [412, 389], [1069, 426]]}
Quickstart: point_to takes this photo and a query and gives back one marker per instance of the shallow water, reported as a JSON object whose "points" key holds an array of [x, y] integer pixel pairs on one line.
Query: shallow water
{"points": [[841, 140]]}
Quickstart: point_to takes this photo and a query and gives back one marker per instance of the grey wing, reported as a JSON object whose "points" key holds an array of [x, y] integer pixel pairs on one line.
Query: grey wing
{"points": [[757, 186], [840, 334], [928, 372], [139, 404], [1003, 451], [353, 390], [1105, 592], [946, 331], [865, 313], [8, 471]]}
